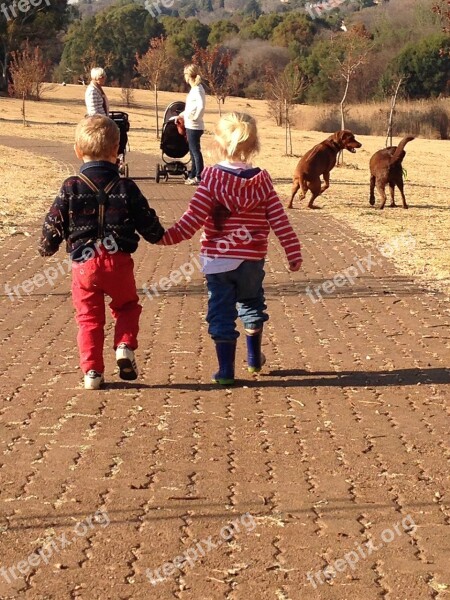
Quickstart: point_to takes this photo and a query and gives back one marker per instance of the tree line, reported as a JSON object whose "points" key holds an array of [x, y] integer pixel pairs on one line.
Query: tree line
{"points": [[362, 54]]}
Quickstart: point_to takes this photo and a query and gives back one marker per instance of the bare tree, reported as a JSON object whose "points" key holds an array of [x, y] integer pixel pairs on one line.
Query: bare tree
{"points": [[274, 93], [27, 70], [151, 66], [12, 32], [442, 8], [127, 91], [392, 111], [283, 90], [214, 64], [353, 48], [356, 48]]}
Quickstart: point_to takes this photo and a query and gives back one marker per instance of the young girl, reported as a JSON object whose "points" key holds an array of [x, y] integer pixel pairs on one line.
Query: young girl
{"points": [[237, 205]]}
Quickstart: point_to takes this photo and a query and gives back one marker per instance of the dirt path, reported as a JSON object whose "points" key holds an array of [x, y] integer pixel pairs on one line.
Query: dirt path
{"points": [[338, 450]]}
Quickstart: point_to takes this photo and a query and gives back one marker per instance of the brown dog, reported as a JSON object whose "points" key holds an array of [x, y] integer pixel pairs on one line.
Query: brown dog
{"points": [[319, 161], [386, 169]]}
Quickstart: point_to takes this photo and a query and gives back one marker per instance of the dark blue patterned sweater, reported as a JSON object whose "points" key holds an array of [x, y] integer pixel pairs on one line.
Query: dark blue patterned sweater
{"points": [[73, 215]]}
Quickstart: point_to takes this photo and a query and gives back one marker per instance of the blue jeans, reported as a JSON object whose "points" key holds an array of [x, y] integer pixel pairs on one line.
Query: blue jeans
{"points": [[193, 138], [233, 294]]}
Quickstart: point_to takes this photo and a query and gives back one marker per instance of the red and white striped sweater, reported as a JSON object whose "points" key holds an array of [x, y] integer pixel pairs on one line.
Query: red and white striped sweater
{"points": [[254, 207]]}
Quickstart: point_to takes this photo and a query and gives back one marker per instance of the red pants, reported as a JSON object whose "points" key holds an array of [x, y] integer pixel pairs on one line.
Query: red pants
{"points": [[105, 274]]}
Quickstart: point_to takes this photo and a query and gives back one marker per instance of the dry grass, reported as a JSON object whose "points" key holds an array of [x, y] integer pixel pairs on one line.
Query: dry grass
{"points": [[427, 184], [23, 197], [428, 118]]}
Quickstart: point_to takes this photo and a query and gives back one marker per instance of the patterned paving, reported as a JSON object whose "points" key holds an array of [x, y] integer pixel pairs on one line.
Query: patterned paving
{"points": [[337, 454]]}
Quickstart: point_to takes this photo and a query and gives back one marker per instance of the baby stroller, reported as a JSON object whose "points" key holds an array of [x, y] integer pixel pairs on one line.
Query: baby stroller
{"points": [[121, 120], [174, 145]]}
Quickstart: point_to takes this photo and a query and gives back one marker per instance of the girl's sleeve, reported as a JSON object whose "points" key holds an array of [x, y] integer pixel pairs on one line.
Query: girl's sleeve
{"points": [[282, 228], [193, 219]]}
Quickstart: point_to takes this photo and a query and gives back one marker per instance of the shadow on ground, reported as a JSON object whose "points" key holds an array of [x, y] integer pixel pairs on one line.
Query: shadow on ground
{"points": [[364, 287], [302, 378]]}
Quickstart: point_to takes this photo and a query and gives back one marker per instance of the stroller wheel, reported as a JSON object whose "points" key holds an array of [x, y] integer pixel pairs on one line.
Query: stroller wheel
{"points": [[157, 173], [123, 166]]}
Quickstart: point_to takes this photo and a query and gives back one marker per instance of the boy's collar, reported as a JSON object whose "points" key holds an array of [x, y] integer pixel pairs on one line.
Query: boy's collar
{"points": [[104, 164]]}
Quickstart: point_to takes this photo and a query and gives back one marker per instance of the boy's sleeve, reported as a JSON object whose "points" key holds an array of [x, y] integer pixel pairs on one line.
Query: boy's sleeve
{"points": [[282, 228], [56, 225], [193, 219], [145, 218]]}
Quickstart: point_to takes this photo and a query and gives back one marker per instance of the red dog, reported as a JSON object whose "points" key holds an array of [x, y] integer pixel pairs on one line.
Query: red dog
{"points": [[319, 161]]}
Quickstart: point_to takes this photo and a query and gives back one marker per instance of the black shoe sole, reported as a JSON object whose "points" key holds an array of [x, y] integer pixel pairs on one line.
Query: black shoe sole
{"points": [[126, 369]]}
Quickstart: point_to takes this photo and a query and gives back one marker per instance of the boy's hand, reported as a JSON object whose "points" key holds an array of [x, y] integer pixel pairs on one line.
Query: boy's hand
{"points": [[295, 266]]}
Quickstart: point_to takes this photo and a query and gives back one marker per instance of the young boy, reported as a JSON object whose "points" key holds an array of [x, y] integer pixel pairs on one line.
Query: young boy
{"points": [[98, 214]]}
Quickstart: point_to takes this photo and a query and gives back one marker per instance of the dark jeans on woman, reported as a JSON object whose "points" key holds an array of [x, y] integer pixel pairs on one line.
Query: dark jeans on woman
{"points": [[193, 138], [234, 294]]}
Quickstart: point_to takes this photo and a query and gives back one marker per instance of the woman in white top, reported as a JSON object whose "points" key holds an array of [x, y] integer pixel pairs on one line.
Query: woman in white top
{"points": [[193, 121], [95, 97]]}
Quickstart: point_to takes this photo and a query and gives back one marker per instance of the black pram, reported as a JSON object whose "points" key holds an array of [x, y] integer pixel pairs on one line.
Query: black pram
{"points": [[174, 145], [122, 122]]}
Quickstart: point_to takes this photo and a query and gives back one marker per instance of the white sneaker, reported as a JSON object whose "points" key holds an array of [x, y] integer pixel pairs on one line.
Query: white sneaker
{"points": [[93, 380], [127, 365], [190, 181]]}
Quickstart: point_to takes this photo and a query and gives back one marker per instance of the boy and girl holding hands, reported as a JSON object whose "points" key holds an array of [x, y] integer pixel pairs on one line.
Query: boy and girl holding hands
{"points": [[97, 206]]}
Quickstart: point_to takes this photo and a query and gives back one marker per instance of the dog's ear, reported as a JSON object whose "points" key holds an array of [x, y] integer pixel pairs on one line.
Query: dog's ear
{"points": [[347, 135]]}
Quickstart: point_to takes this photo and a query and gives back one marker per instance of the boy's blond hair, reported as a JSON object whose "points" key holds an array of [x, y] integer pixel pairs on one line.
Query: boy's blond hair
{"points": [[97, 137], [237, 136], [192, 75]]}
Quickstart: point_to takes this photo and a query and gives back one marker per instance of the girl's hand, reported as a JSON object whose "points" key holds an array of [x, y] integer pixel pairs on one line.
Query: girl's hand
{"points": [[295, 266]]}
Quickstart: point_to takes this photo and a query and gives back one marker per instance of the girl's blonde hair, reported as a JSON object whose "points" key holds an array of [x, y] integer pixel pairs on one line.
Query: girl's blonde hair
{"points": [[237, 136], [192, 75], [97, 137]]}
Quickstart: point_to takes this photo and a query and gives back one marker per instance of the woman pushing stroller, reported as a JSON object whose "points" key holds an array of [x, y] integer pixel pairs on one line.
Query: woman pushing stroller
{"points": [[193, 121], [97, 104]]}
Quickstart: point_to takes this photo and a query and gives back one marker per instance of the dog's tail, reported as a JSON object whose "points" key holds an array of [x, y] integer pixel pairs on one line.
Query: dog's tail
{"points": [[398, 154]]}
